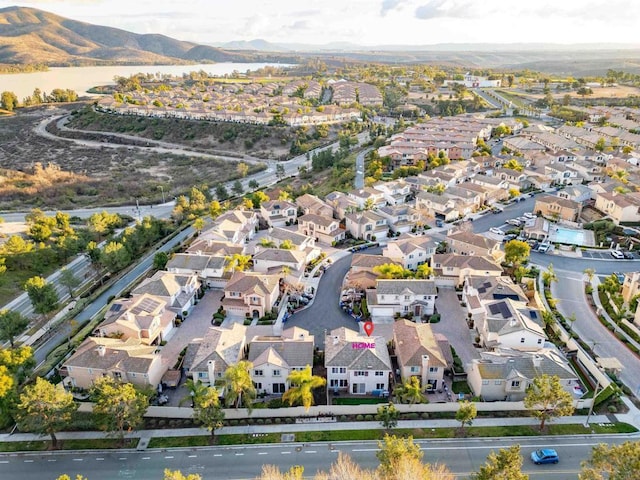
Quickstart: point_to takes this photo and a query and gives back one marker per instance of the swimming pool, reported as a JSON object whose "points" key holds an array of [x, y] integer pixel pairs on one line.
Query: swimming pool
{"points": [[571, 236]]}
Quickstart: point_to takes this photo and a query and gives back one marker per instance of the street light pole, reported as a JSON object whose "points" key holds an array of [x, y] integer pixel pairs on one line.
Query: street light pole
{"points": [[593, 402], [162, 190]]}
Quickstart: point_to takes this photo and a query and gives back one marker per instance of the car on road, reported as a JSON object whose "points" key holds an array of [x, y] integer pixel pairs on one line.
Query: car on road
{"points": [[514, 221], [496, 211], [617, 254], [496, 230], [528, 215], [544, 455]]}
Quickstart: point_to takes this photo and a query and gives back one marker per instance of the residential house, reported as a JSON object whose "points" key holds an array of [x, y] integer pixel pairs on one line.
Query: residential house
{"points": [[235, 226], [299, 242], [310, 204], [211, 270], [466, 201], [505, 376], [207, 358], [516, 180], [395, 192], [275, 357], [478, 290], [401, 218], [562, 174], [511, 324], [127, 361], [367, 225], [356, 363], [179, 291], [554, 207], [576, 193], [464, 242], [452, 269], [620, 207], [342, 204], [437, 206], [216, 248], [278, 213], [274, 260], [410, 251], [368, 197], [421, 353], [251, 294], [324, 228], [401, 297], [144, 318], [361, 274]]}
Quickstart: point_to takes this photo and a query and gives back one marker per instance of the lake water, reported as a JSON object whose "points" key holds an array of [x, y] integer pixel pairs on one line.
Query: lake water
{"points": [[81, 79]]}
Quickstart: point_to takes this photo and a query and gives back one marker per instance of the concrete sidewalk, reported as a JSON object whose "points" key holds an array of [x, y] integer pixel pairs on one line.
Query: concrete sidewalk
{"points": [[331, 426]]}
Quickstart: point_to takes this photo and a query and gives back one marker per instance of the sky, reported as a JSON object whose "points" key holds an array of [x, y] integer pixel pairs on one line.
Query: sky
{"points": [[363, 22]]}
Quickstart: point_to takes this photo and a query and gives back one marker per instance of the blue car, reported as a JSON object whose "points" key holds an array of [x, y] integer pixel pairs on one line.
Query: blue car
{"points": [[545, 455]]}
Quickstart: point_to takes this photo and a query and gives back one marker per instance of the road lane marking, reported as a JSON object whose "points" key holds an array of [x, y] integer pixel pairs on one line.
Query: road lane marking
{"points": [[78, 459], [285, 453], [99, 459], [217, 454], [122, 458], [168, 456], [4, 461], [239, 454], [311, 451], [28, 461], [52, 460], [146, 458], [366, 450], [263, 453], [193, 456]]}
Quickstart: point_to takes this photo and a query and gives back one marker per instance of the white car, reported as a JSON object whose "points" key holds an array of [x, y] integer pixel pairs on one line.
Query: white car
{"points": [[617, 254], [528, 215], [513, 221], [497, 231]]}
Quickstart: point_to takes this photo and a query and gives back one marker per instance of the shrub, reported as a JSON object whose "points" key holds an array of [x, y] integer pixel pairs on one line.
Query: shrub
{"points": [[342, 418], [368, 418], [278, 421], [413, 416], [612, 409], [425, 415], [359, 418], [267, 421]]}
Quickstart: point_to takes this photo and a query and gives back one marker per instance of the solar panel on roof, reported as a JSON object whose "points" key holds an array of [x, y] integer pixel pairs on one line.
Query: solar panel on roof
{"points": [[494, 309], [146, 305], [115, 307]]}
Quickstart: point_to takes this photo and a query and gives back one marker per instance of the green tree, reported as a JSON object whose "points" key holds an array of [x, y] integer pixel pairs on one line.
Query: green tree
{"points": [[198, 224], [393, 451], [115, 257], [513, 192], [43, 295], [258, 197], [513, 164], [237, 187], [243, 169], [239, 388], [612, 462], [548, 398], [118, 406], [303, 383], [423, 271], [549, 276], [8, 101], [601, 144], [197, 202], [410, 391], [215, 209], [505, 465], [46, 409], [516, 252], [388, 416], [391, 270], [286, 245], [208, 411], [69, 280], [238, 262], [466, 413], [12, 324], [160, 260], [589, 272], [221, 192], [253, 184]]}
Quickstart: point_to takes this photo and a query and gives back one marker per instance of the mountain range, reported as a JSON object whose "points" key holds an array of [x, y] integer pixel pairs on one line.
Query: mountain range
{"points": [[29, 35]]}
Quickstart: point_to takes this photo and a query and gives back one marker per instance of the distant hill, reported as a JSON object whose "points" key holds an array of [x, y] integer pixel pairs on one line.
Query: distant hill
{"points": [[28, 35]]}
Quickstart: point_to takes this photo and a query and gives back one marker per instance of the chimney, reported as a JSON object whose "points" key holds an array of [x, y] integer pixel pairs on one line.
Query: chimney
{"points": [[537, 361], [101, 350], [211, 366], [336, 339]]}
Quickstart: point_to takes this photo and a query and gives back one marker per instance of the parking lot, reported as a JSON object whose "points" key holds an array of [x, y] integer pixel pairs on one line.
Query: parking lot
{"points": [[605, 255]]}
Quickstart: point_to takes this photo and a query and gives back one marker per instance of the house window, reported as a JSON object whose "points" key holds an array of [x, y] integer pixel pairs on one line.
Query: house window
{"points": [[433, 369], [278, 388], [405, 308], [133, 375], [515, 383], [202, 375], [411, 256], [257, 385], [414, 369], [397, 297], [498, 382], [539, 341], [333, 383], [257, 373], [379, 374], [485, 382], [338, 369], [360, 373], [424, 297], [344, 383], [117, 375], [407, 297], [379, 386], [276, 373]]}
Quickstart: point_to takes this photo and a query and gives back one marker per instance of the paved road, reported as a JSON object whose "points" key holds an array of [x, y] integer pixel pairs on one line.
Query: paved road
{"points": [[325, 313], [359, 180], [245, 462], [116, 289]]}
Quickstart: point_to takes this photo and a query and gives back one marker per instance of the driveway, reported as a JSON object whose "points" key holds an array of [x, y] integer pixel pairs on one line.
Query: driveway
{"points": [[453, 324], [325, 314]]}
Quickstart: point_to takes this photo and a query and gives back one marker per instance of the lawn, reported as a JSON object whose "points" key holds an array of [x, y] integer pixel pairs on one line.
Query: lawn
{"points": [[85, 444]]}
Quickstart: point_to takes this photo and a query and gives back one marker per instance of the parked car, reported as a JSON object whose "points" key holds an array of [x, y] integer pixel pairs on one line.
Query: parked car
{"points": [[628, 255], [496, 230], [544, 455], [495, 211], [617, 254], [514, 221], [528, 215], [509, 237], [544, 247], [439, 223]]}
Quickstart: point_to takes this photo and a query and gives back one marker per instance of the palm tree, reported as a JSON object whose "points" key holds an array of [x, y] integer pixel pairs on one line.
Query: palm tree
{"points": [[549, 276], [410, 391], [238, 262], [302, 385], [589, 272], [196, 389], [239, 388]]}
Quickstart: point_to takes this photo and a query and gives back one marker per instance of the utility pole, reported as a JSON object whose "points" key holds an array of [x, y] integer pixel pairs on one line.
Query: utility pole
{"points": [[162, 190]]}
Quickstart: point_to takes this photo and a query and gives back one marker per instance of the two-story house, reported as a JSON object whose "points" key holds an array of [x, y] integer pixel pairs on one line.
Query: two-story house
{"points": [[511, 324], [410, 251], [278, 213], [179, 291], [392, 297], [421, 353], [207, 358], [367, 225], [452, 269], [395, 192], [324, 228], [126, 361], [310, 204], [251, 294], [478, 290], [144, 318], [342, 204], [620, 207], [401, 218], [367, 197], [211, 270], [557, 208], [437, 206], [464, 242], [356, 363], [235, 226], [505, 376], [273, 260], [275, 357]]}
